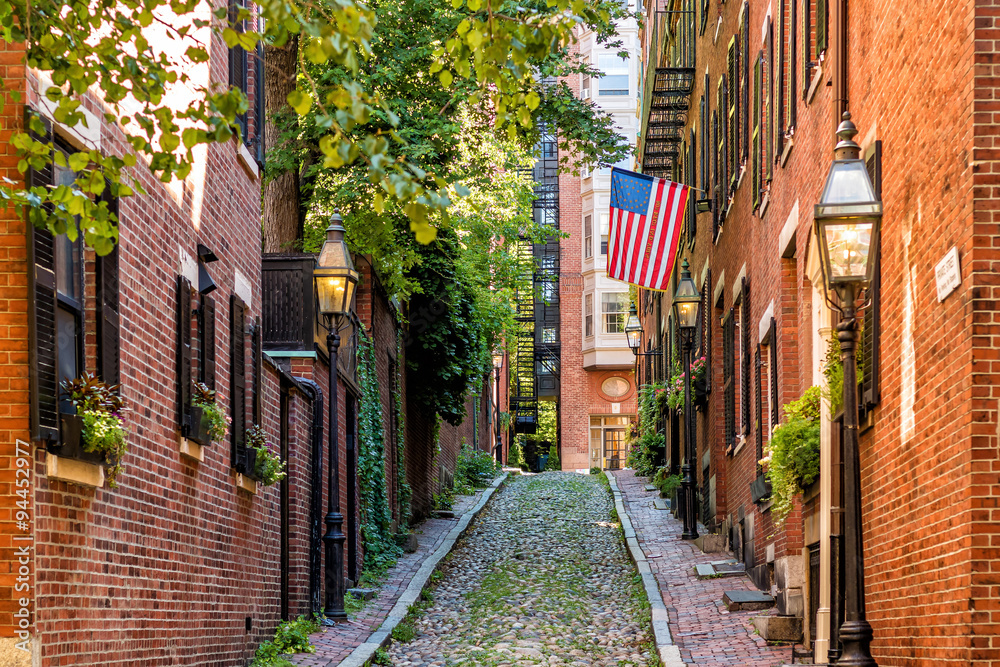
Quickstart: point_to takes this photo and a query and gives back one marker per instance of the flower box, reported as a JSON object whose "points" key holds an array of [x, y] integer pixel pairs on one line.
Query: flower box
{"points": [[699, 391], [198, 426], [760, 489], [71, 445]]}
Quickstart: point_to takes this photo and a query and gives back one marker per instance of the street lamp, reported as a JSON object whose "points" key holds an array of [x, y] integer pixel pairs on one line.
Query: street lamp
{"points": [[847, 222], [498, 366], [687, 304], [335, 279], [633, 330]]}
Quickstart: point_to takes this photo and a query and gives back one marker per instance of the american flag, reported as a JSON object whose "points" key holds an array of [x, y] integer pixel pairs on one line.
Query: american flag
{"points": [[645, 227]]}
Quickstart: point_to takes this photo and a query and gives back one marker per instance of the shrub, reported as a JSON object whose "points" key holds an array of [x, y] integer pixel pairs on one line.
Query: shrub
{"points": [[475, 468], [792, 456], [553, 462], [515, 455], [666, 482], [290, 637]]}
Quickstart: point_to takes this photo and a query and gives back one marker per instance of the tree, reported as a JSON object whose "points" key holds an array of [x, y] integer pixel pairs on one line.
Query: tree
{"points": [[101, 48]]}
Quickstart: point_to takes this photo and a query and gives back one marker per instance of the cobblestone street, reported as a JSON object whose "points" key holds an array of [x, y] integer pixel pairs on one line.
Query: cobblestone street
{"points": [[541, 577]]}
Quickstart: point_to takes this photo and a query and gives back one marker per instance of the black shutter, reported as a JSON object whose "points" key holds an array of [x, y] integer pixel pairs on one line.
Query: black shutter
{"points": [[745, 65], [745, 352], [692, 181], [238, 64], [258, 370], [769, 116], [108, 313], [184, 294], [780, 115], [758, 431], [708, 322], [728, 376], [42, 349], [238, 387], [792, 70], [706, 144], [207, 334], [775, 399], [873, 312], [820, 27], [714, 190]]}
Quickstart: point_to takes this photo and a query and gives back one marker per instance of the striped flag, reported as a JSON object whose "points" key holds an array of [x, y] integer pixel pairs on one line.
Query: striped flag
{"points": [[645, 227]]}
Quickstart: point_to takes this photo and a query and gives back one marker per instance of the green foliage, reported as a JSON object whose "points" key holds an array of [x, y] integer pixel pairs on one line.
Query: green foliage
{"points": [[444, 500], [404, 493], [218, 420], [553, 463], [353, 604], [290, 637], [675, 387], [381, 657], [268, 467], [475, 468], [666, 482], [404, 632], [380, 545], [645, 440], [515, 454], [596, 471], [100, 406], [792, 455]]}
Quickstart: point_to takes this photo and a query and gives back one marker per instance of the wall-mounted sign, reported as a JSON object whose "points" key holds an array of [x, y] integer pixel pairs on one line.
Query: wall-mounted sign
{"points": [[616, 408], [948, 274]]}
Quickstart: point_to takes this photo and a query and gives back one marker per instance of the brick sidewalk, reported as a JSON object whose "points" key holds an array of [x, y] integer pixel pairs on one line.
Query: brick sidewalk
{"points": [[707, 634], [336, 643]]}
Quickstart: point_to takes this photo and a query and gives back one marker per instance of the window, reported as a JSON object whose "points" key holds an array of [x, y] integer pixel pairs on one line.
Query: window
{"points": [[588, 317], [69, 296], [614, 80], [604, 233], [246, 72], [614, 306], [729, 378], [813, 40], [744, 105], [548, 277], [872, 316], [732, 150], [585, 81], [745, 355], [755, 163], [588, 237], [615, 387]]}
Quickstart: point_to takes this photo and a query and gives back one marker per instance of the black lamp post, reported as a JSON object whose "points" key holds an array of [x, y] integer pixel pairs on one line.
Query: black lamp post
{"points": [[498, 366], [847, 221], [687, 304], [335, 279]]}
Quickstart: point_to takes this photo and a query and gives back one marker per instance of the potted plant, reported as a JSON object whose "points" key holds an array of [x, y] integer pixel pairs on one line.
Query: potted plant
{"points": [[267, 466], [791, 458], [207, 422], [96, 433]]}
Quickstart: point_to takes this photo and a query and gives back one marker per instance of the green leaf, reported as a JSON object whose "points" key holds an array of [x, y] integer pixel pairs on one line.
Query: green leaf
{"points": [[301, 101], [446, 78]]}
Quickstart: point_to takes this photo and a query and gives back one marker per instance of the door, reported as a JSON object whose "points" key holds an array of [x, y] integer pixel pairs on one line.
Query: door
{"points": [[614, 443]]}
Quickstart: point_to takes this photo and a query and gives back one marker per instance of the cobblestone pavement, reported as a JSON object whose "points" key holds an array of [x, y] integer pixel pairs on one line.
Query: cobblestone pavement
{"points": [[336, 643], [541, 577], [707, 634]]}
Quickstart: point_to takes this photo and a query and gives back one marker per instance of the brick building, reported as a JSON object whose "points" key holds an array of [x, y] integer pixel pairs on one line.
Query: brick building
{"points": [[741, 100], [189, 560], [597, 393]]}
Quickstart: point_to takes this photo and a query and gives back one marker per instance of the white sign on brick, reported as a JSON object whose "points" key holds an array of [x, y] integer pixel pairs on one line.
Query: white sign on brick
{"points": [[948, 274]]}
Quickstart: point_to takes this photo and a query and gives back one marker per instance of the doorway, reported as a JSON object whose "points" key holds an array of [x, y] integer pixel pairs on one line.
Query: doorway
{"points": [[614, 448]]}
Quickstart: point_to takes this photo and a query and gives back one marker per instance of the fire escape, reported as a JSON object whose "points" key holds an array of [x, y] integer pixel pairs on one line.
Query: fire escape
{"points": [[536, 366], [668, 86]]}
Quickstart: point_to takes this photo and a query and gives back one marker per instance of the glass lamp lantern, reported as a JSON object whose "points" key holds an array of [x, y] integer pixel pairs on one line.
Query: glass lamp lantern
{"points": [[633, 330], [687, 301], [848, 217], [334, 274], [498, 359]]}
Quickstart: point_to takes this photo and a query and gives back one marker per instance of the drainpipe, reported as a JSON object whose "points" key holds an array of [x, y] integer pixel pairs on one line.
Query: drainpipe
{"points": [[315, 395]]}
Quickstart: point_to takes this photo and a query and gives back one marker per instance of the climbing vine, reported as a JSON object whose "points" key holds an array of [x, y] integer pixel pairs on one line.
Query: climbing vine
{"points": [[376, 518], [645, 439], [405, 493]]}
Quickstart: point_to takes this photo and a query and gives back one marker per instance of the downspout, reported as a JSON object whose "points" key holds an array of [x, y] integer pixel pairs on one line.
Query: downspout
{"points": [[315, 395]]}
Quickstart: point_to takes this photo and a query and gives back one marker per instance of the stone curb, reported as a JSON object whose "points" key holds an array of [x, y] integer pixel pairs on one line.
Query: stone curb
{"points": [[670, 654], [381, 637]]}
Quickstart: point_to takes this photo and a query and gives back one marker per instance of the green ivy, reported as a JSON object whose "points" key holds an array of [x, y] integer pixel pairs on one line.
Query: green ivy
{"points": [[381, 549], [404, 492], [646, 440], [290, 637], [792, 455]]}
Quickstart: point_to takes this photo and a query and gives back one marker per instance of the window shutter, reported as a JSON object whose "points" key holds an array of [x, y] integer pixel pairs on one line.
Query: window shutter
{"points": [[706, 329], [238, 64], [692, 205], [714, 191], [108, 318], [758, 430], [820, 27], [732, 129], [745, 351], [42, 314], [767, 118], [207, 332], [807, 33], [745, 80], [706, 144], [728, 375], [780, 117], [258, 370], [792, 70], [755, 165], [184, 294], [775, 400], [238, 387], [873, 313]]}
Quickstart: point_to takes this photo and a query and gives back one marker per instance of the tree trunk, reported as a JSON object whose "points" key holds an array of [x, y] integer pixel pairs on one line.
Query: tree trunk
{"points": [[281, 221]]}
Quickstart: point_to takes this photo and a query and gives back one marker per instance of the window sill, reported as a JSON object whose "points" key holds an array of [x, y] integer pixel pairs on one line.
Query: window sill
{"points": [[762, 209], [192, 450], [76, 472], [739, 445], [789, 142], [817, 76], [247, 161], [248, 484]]}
